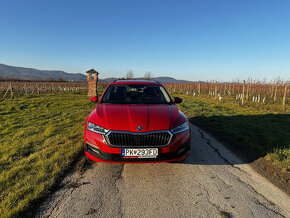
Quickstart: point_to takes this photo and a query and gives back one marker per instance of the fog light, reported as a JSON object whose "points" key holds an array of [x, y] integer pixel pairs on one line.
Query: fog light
{"points": [[94, 148], [182, 149]]}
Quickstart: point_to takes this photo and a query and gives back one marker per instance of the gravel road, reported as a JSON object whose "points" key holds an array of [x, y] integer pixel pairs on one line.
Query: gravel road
{"points": [[212, 182]]}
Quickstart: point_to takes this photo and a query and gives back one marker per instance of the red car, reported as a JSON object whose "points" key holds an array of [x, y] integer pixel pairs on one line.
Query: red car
{"points": [[136, 121]]}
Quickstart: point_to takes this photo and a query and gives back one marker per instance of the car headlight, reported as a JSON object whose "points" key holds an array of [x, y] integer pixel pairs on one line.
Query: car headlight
{"points": [[183, 127], [97, 129]]}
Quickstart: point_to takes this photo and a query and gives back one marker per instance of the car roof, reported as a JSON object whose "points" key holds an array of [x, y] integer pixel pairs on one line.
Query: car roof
{"points": [[135, 82]]}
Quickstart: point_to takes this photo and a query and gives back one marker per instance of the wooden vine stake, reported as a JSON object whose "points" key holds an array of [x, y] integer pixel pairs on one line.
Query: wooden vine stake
{"points": [[9, 89], [243, 95], [198, 88], [284, 98], [215, 90], [247, 95], [275, 94], [225, 89], [272, 91]]}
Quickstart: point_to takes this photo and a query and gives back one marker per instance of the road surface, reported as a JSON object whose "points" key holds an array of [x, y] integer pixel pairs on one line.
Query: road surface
{"points": [[212, 182]]}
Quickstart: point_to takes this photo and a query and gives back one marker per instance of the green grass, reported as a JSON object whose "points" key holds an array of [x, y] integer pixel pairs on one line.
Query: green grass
{"points": [[40, 136], [257, 129]]}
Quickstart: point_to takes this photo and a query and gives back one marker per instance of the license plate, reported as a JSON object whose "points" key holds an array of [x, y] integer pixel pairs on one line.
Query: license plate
{"points": [[140, 152]]}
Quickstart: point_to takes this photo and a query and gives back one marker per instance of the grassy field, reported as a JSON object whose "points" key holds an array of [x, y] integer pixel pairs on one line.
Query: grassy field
{"points": [[40, 136], [257, 129]]}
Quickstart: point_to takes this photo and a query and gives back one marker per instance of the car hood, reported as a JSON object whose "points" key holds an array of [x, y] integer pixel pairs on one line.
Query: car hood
{"points": [[127, 117]]}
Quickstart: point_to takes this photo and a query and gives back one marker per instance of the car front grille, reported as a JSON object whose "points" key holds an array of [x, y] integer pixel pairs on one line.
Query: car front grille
{"points": [[124, 139]]}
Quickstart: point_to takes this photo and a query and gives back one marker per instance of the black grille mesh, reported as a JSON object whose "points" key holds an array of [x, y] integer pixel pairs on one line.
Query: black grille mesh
{"points": [[139, 140]]}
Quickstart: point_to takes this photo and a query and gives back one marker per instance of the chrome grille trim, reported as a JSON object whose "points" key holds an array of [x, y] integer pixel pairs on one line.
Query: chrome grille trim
{"points": [[106, 137]]}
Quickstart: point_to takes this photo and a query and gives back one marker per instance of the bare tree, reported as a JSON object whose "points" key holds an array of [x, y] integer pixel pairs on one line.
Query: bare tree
{"points": [[130, 74], [148, 75]]}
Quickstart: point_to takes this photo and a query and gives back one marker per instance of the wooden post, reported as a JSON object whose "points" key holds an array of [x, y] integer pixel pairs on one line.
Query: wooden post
{"points": [[209, 89], [198, 88], [215, 90], [247, 95], [9, 88], [272, 91], [243, 95], [275, 94], [225, 89], [284, 98]]}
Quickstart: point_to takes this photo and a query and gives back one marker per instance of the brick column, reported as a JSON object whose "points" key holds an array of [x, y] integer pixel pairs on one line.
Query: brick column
{"points": [[92, 82]]}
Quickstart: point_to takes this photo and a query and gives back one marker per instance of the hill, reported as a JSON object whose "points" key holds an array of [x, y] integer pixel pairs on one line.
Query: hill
{"points": [[162, 79], [23, 73]]}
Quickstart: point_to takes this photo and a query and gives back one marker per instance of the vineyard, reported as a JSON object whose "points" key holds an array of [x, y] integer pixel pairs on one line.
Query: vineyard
{"points": [[41, 129], [242, 92], [250, 92], [11, 89]]}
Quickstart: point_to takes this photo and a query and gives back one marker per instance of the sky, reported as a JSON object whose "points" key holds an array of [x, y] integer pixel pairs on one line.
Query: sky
{"points": [[194, 40]]}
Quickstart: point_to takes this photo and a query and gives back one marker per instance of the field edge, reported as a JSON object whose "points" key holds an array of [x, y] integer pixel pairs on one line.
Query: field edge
{"points": [[261, 165]]}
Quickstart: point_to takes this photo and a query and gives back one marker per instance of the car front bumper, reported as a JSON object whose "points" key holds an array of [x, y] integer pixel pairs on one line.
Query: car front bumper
{"points": [[95, 154]]}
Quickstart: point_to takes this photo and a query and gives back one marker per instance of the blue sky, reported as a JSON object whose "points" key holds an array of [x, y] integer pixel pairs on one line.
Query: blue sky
{"points": [[194, 40]]}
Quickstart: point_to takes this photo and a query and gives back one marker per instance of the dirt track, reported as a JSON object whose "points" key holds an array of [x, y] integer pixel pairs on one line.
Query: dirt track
{"points": [[210, 183]]}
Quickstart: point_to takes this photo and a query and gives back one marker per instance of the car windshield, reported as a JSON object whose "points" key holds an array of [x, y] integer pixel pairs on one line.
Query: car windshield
{"points": [[136, 94]]}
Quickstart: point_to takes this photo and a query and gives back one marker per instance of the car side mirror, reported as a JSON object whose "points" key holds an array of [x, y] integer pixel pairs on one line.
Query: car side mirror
{"points": [[177, 100], [94, 99]]}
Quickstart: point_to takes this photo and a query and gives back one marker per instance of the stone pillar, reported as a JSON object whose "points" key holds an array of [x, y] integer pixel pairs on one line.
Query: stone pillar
{"points": [[92, 82]]}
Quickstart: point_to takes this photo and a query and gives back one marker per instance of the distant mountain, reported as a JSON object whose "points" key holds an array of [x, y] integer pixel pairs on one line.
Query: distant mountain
{"points": [[108, 80], [23, 73], [164, 79]]}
